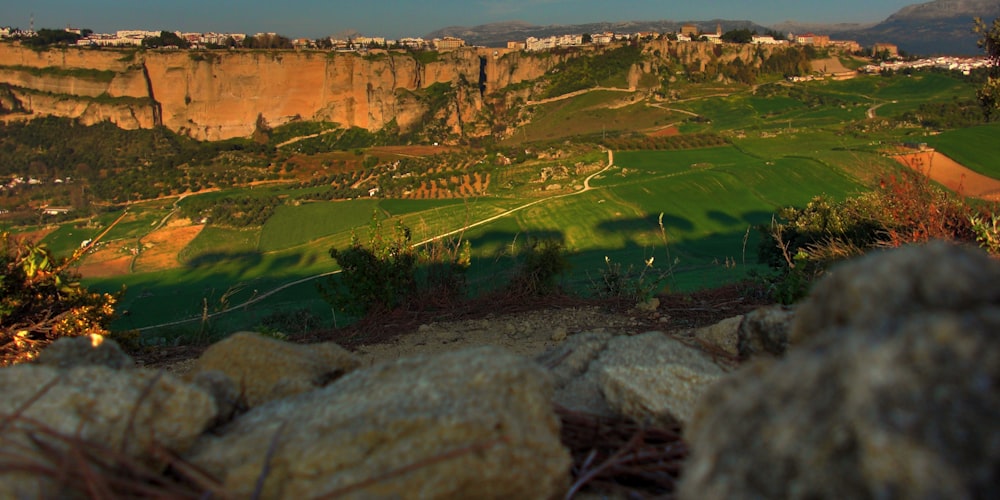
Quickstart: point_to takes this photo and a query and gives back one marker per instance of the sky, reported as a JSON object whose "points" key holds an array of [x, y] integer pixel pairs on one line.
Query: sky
{"points": [[400, 18]]}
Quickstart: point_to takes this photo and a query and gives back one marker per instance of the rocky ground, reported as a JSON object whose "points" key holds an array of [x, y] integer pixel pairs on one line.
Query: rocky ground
{"points": [[526, 327], [881, 383]]}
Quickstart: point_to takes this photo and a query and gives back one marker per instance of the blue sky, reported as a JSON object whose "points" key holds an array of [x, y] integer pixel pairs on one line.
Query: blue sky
{"points": [[399, 18]]}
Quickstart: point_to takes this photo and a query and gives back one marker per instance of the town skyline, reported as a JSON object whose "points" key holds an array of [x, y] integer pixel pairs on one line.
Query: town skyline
{"points": [[398, 18]]}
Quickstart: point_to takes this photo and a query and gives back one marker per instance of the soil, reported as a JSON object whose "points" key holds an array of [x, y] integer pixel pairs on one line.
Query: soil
{"points": [[952, 174], [527, 326], [161, 247]]}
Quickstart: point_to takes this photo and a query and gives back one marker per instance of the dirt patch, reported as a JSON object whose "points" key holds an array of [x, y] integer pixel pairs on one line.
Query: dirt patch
{"points": [[665, 132], [36, 235], [108, 260], [952, 174], [161, 247]]}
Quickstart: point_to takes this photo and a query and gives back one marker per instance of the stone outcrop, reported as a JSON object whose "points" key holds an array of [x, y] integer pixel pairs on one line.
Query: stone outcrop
{"points": [[649, 377], [132, 413], [264, 369], [476, 423], [888, 391]]}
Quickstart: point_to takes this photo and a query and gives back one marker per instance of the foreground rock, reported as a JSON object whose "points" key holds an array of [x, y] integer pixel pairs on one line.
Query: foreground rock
{"points": [[649, 377], [763, 332], [892, 392], [131, 413], [476, 423], [264, 369]]}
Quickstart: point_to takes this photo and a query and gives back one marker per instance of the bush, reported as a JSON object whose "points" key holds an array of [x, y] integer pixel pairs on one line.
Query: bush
{"points": [[539, 264], [802, 243], [41, 301], [390, 272], [632, 284]]}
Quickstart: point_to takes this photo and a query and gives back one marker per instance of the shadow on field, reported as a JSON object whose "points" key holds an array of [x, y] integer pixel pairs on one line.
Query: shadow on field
{"points": [[504, 239], [209, 259], [757, 217], [644, 225]]}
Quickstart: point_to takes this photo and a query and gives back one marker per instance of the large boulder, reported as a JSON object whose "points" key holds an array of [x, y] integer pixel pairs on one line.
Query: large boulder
{"points": [[134, 413], [475, 423], [890, 393], [264, 368]]}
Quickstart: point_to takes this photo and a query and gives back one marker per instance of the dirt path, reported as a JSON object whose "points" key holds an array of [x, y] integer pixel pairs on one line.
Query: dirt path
{"points": [[576, 93], [952, 174]]}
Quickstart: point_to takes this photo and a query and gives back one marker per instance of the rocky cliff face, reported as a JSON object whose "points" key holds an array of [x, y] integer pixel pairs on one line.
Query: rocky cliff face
{"points": [[212, 96], [221, 95]]}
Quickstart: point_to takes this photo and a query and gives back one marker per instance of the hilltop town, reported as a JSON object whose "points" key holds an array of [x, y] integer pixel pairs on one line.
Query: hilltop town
{"points": [[687, 33]]}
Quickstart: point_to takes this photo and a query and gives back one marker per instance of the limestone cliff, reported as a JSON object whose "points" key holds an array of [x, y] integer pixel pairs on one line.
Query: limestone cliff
{"points": [[214, 95]]}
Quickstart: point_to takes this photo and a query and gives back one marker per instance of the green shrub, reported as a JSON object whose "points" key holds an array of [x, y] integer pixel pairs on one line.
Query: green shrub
{"points": [[40, 301], [539, 264], [389, 272]]}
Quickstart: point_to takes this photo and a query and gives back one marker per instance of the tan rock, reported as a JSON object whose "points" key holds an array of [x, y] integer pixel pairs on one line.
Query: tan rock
{"points": [[654, 377], [131, 411], [264, 368], [69, 352], [723, 335], [476, 423], [890, 391]]}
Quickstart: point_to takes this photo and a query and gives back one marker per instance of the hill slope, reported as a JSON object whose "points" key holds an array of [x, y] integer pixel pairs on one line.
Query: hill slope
{"points": [[931, 28]]}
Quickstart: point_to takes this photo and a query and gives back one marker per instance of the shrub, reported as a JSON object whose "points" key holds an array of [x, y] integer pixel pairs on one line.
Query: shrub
{"points": [[539, 263], [630, 283], [802, 243], [41, 301], [390, 272]]}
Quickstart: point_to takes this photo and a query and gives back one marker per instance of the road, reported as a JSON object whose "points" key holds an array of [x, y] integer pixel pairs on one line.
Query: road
{"points": [[262, 296]]}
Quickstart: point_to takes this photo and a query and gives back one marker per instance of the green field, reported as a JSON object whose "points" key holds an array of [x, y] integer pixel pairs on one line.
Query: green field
{"points": [[785, 150], [983, 158]]}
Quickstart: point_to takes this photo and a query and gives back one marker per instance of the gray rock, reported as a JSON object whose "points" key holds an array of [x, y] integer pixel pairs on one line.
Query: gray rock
{"points": [[938, 276], [69, 352], [134, 412], [765, 331], [264, 368], [899, 401], [653, 377], [476, 423], [576, 386], [648, 377]]}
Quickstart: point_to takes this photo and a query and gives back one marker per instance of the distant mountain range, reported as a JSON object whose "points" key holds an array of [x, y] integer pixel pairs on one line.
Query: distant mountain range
{"points": [[932, 28]]}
